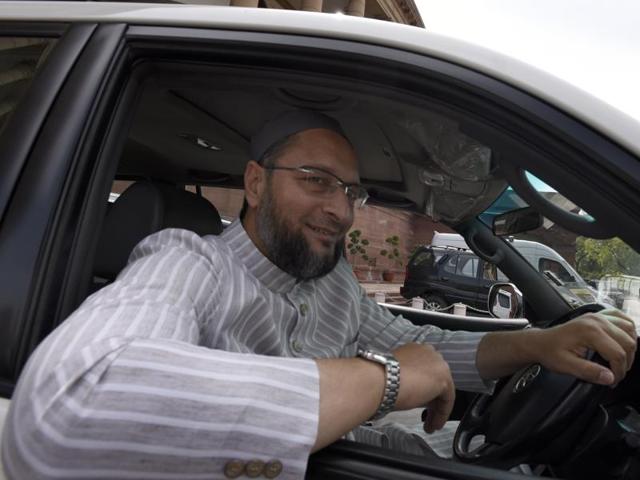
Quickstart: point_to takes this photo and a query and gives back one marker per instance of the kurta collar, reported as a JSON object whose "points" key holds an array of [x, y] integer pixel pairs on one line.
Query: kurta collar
{"points": [[261, 267]]}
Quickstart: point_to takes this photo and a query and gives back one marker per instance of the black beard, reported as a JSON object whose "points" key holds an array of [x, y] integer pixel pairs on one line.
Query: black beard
{"points": [[289, 250]]}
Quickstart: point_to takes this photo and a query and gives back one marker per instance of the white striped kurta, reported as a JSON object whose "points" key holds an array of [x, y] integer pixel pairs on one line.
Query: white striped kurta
{"points": [[199, 353]]}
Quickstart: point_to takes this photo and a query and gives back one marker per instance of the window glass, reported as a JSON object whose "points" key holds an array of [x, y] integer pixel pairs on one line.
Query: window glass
{"points": [[468, 266], [493, 273], [501, 276], [117, 188], [424, 257], [504, 299], [20, 58], [450, 264], [510, 200], [584, 270], [548, 265], [612, 269]]}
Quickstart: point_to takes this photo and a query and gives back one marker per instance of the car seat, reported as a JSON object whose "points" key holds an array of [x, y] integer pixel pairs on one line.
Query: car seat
{"points": [[144, 208]]}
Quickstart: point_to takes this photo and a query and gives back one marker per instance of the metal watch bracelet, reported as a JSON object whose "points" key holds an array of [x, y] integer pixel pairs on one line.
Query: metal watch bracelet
{"points": [[392, 383]]}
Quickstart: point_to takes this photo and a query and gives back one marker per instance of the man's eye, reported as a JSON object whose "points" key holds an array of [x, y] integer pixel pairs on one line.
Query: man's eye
{"points": [[320, 181]]}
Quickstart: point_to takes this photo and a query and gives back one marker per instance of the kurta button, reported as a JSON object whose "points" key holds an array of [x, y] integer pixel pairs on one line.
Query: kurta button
{"points": [[254, 468], [303, 309], [272, 469], [233, 469], [297, 346]]}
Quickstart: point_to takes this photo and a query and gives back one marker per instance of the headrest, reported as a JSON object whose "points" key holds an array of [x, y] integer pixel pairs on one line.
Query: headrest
{"points": [[145, 208]]}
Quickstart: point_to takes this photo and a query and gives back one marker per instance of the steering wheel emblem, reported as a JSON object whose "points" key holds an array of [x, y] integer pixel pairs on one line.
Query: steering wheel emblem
{"points": [[527, 378]]}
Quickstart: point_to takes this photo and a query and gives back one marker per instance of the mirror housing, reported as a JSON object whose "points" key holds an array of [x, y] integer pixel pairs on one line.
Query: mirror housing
{"points": [[505, 301], [516, 221]]}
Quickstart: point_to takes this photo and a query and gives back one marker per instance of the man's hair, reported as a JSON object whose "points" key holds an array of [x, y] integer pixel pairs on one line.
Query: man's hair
{"points": [[269, 159]]}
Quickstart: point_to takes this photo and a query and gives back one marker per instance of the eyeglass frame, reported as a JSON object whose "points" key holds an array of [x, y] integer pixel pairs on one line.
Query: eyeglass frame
{"points": [[339, 183]]}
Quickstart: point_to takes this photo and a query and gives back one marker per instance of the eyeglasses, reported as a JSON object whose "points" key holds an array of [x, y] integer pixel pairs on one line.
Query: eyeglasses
{"points": [[321, 183]]}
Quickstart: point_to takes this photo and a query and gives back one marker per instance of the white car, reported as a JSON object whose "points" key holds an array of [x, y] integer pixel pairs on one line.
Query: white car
{"points": [[97, 93]]}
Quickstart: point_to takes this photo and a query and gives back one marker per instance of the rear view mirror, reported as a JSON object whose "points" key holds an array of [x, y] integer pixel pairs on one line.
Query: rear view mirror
{"points": [[516, 221], [505, 301]]}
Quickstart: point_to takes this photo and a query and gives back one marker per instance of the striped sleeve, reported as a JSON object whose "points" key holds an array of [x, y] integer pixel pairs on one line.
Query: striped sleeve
{"points": [[122, 390], [383, 331]]}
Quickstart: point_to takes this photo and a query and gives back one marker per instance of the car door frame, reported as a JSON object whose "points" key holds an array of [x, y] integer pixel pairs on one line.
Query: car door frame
{"points": [[51, 178]]}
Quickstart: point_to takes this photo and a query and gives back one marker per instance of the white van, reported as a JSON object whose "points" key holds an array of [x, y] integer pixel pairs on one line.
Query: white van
{"points": [[543, 258]]}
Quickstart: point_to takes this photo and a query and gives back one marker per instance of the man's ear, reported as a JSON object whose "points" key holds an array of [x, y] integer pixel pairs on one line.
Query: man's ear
{"points": [[254, 183]]}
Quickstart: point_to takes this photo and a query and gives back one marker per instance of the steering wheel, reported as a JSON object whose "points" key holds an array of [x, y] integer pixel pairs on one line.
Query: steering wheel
{"points": [[530, 416]]}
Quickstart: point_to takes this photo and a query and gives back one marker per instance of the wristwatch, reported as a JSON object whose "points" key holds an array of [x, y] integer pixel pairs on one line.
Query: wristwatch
{"points": [[392, 385]]}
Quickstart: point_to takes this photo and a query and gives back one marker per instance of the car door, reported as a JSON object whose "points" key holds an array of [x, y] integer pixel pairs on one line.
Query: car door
{"points": [[47, 170], [468, 277]]}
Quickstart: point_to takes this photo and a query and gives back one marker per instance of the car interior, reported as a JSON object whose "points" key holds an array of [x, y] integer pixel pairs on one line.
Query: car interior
{"points": [[435, 139], [190, 128]]}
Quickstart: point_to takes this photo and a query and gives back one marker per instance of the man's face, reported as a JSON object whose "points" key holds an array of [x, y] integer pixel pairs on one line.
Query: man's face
{"points": [[303, 232]]}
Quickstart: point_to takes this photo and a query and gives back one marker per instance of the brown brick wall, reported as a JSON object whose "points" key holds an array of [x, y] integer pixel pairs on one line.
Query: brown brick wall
{"points": [[377, 224], [228, 201]]}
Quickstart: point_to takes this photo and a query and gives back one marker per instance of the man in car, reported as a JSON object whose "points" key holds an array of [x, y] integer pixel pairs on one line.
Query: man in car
{"points": [[244, 353]]}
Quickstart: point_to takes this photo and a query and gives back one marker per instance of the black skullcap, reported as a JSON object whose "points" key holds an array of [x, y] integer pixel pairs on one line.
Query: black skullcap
{"points": [[288, 123]]}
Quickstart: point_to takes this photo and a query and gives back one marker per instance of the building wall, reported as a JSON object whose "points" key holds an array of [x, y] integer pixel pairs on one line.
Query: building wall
{"points": [[398, 11], [376, 225]]}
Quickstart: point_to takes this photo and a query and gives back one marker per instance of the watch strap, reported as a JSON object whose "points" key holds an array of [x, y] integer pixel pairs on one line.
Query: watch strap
{"points": [[392, 382]]}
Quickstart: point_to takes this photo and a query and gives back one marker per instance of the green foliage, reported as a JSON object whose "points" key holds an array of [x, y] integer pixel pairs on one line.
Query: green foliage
{"points": [[356, 247], [392, 252], [597, 258]]}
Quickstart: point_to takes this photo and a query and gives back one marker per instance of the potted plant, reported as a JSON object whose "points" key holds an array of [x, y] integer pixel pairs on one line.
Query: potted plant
{"points": [[357, 247], [392, 252]]}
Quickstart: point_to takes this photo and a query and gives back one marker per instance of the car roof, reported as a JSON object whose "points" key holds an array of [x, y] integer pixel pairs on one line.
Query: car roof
{"points": [[619, 126]]}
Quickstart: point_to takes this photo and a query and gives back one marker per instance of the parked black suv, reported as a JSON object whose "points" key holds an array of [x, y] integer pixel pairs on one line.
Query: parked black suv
{"points": [[446, 275]]}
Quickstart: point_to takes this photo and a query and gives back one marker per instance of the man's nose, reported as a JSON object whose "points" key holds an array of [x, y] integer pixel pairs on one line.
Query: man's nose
{"points": [[338, 206]]}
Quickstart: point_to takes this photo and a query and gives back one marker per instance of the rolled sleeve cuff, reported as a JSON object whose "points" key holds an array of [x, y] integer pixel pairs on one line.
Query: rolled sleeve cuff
{"points": [[460, 352]]}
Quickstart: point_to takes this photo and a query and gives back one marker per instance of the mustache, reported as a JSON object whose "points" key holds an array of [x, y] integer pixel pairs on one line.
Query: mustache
{"points": [[332, 225]]}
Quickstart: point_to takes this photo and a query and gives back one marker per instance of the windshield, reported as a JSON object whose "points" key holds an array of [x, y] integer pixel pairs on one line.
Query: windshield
{"points": [[583, 270]]}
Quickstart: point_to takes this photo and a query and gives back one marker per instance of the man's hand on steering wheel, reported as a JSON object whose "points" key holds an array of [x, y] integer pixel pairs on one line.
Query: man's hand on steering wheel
{"points": [[564, 348], [555, 380]]}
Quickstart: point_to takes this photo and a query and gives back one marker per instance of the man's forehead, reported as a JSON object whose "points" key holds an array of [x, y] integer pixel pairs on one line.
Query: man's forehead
{"points": [[325, 150]]}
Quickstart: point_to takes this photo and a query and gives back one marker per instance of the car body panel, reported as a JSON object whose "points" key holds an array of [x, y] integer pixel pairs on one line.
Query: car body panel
{"points": [[454, 277]]}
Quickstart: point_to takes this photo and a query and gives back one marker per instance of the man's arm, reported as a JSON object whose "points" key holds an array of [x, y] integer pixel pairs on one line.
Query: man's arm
{"points": [[563, 348], [122, 387], [381, 330], [351, 390]]}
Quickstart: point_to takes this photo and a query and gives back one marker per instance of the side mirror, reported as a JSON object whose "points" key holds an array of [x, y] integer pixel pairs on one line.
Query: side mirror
{"points": [[505, 301], [516, 221]]}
